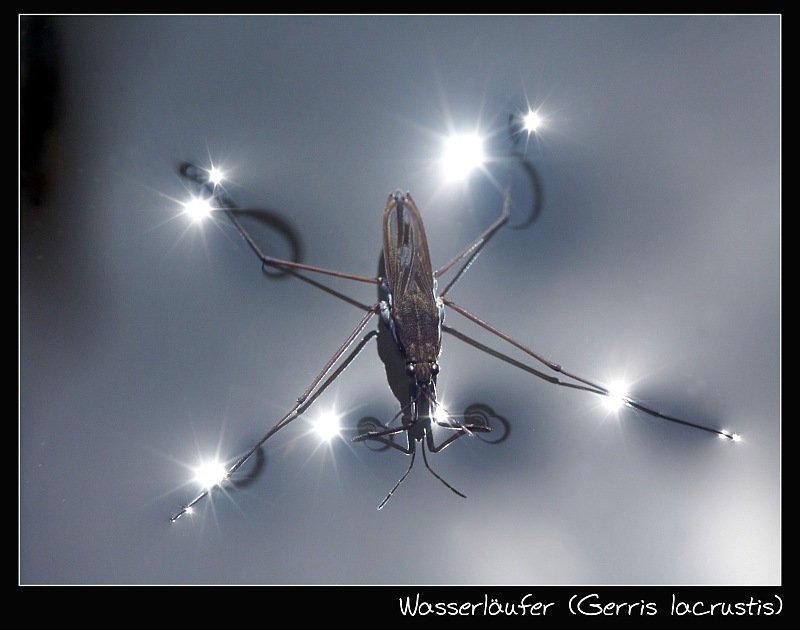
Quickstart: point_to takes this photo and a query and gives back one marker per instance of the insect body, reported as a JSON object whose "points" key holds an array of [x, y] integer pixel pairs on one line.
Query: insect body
{"points": [[413, 312], [414, 315]]}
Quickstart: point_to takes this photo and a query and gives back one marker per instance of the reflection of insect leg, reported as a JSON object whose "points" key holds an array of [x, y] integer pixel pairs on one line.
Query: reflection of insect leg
{"points": [[304, 401]]}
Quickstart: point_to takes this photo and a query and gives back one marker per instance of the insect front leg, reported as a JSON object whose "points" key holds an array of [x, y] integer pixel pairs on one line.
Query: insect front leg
{"points": [[461, 428], [436, 449], [413, 452], [368, 430]]}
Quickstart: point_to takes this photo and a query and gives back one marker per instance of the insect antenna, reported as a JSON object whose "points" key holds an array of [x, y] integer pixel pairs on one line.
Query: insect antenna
{"points": [[401, 480], [410, 466], [380, 435], [435, 474]]}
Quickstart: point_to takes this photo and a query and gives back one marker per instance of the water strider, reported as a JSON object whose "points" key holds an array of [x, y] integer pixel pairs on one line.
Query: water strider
{"points": [[414, 313]]}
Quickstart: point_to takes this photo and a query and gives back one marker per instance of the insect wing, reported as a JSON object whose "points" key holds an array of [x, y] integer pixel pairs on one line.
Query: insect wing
{"points": [[405, 249]]}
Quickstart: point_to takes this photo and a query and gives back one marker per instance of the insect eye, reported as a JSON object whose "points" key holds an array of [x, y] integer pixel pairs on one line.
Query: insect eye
{"points": [[434, 368], [411, 369]]}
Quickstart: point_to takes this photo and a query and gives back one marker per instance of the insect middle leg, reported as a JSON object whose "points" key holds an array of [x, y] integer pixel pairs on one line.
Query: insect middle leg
{"points": [[304, 401], [472, 250]]}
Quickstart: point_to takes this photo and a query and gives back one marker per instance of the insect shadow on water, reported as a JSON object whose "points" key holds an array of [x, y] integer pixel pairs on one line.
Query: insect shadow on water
{"points": [[413, 313]]}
